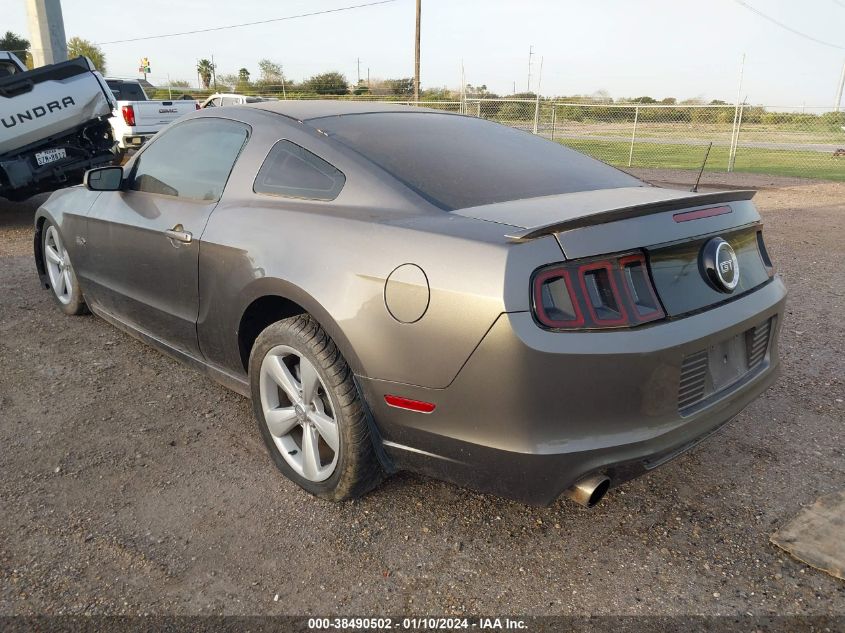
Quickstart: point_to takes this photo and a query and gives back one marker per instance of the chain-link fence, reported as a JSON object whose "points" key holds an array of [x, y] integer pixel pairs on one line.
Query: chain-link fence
{"points": [[804, 141], [807, 142]]}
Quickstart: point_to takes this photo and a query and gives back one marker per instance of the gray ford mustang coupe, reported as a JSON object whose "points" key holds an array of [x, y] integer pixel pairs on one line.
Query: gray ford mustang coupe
{"points": [[401, 288]]}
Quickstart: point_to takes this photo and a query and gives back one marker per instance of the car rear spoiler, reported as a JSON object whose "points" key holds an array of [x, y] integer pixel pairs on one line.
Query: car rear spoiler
{"points": [[636, 211]]}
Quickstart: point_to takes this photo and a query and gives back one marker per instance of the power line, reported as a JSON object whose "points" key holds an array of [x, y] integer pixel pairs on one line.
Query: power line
{"points": [[236, 26], [787, 27]]}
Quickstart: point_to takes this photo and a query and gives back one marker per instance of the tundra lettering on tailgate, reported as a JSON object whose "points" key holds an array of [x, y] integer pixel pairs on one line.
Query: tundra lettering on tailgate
{"points": [[37, 112]]}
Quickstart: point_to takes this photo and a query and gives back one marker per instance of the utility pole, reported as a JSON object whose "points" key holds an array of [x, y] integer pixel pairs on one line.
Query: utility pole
{"points": [[47, 32], [359, 70], [530, 55], [417, 55], [838, 103], [214, 72]]}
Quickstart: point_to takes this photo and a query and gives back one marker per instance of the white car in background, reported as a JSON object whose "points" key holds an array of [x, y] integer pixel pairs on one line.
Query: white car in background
{"points": [[137, 118], [229, 99]]}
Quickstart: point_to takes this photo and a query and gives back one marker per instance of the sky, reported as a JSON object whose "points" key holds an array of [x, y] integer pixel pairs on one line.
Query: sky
{"points": [[628, 48]]}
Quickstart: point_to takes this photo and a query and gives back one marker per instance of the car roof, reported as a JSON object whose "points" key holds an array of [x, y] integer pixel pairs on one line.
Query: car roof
{"points": [[303, 110]]}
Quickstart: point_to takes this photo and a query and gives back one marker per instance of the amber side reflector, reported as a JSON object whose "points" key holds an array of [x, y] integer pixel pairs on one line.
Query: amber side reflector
{"points": [[698, 214], [411, 405]]}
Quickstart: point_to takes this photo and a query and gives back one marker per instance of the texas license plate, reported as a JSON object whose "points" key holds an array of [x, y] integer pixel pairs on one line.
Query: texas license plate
{"points": [[50, 156]]}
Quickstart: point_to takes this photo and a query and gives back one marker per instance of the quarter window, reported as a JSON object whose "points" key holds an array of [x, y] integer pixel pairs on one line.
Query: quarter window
{"points": [[192, 160], [292, 171]]}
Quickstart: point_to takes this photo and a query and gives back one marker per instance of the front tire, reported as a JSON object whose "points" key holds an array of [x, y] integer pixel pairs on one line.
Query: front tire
{"points": [[309, 412], [63, 281]]}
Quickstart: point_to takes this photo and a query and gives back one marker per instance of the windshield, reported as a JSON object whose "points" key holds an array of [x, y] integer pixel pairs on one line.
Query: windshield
{"points": [[457, 161]]}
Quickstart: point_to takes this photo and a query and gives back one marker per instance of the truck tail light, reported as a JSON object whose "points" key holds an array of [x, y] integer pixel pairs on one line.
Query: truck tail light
{"points": [[128, 113], [198, 106], [600, 293]]}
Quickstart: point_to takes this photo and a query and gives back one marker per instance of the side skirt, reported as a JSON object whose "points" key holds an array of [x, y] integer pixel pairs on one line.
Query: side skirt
{"points": [[230, 381]]}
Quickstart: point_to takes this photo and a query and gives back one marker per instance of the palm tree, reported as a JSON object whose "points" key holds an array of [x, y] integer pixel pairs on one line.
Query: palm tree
{"points": [[205, 69]]}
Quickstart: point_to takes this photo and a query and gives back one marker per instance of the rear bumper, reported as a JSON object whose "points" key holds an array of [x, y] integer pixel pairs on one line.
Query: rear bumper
{"points": [[533, 411], [21, 177], [135, 141]]}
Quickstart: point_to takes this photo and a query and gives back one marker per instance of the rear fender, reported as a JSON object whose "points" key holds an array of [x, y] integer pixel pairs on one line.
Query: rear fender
{"points": [[268, 286]]}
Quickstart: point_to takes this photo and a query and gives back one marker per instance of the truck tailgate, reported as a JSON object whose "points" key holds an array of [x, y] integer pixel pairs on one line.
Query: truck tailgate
{"points": [[153, 115], [49, 100]]}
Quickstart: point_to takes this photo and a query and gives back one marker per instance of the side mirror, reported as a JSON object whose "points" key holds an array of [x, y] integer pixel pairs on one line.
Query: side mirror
{"points": [[103, 179]]}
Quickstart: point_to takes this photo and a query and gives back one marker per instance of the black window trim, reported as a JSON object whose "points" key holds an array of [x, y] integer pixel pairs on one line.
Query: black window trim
{"points": [[291, 197], [137, 157]]}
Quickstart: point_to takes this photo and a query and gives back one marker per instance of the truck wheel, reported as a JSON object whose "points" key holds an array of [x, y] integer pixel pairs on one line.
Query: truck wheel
{"points": [[63, 281]]}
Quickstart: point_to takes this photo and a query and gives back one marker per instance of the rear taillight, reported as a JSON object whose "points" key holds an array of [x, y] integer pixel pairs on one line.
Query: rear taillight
{"points": [[600, 293], [128, 113], [198, 106]]}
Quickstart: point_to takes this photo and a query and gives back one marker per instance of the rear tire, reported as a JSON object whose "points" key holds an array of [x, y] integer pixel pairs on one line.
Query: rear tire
{"points": [[63, 282], [309, 412]]}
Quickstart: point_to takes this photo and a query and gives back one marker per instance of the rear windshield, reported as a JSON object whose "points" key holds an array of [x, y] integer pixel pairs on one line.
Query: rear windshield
{"points": [[457, 162], [127, 91]]}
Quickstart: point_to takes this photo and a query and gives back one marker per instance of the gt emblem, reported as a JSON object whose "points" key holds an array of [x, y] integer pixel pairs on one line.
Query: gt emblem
{"points": [[719, 265]]}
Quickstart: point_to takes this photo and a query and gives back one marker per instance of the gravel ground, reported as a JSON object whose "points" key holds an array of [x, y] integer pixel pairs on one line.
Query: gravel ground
{"points": [[130, 484]]}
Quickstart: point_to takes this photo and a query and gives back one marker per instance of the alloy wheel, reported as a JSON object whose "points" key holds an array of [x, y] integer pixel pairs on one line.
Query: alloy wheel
{"points": [[58, 266], [299, 414]]}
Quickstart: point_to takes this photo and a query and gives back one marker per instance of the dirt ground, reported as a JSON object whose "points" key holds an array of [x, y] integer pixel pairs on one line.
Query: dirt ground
{"points": [[130, 484]]}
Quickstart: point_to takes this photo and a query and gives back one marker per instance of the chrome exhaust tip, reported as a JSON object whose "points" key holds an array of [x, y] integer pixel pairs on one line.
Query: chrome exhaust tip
{"points": [[589, 490]]}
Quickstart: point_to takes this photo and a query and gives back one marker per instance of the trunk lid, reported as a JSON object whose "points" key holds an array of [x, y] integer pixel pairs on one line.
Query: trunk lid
{"points": [[672, 228]]}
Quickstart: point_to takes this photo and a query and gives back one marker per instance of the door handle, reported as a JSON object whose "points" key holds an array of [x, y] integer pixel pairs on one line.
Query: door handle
{"points": [[179, 234]]}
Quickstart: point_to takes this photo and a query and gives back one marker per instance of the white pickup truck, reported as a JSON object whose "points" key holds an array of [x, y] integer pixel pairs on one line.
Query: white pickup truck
{"points": [[53, 125], [136, 118]]}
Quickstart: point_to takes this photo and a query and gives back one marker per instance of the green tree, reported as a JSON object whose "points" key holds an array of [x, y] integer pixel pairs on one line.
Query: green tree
{"points": [[13, 43], [332, 83], [76, 46], [243, 84], [205, 69], [270, 72], [403, 87], [227, 81]]}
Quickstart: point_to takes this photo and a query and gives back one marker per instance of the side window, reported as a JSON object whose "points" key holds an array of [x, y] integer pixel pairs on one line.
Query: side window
{"points": [[292, 171], [192, 160], [7, 69], [230, 101]]}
